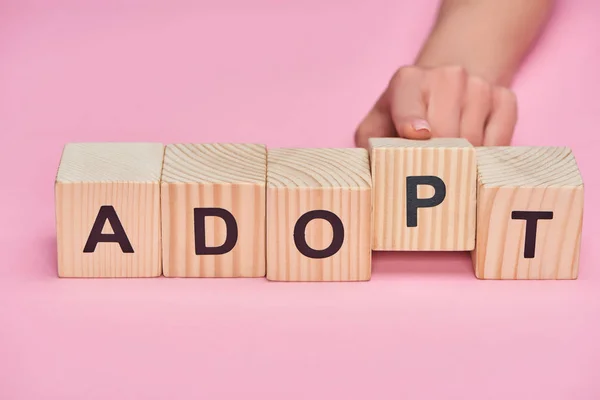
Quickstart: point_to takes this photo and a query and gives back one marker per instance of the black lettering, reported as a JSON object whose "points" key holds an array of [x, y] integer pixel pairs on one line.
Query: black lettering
{"points": [[107, 213], [532, 218], [300, 234], [413, 203], [231, 235]]}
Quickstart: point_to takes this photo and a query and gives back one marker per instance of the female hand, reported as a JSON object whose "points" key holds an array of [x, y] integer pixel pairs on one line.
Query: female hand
{"points": [[420, 103]]}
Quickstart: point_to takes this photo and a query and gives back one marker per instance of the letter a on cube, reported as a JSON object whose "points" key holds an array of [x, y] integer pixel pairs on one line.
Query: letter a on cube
{"points": [[424, 194], [529, 213], [108, 210], [318, 215], [213, 210]]}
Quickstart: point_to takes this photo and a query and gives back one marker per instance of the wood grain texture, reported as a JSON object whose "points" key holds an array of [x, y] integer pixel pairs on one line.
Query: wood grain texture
{"points": [[122, 175], [449, 226], [528, 179], [227, 176], [302, 180]]}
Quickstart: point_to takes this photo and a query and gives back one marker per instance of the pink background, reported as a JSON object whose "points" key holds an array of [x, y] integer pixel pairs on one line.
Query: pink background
{"points": [[284, 73]]}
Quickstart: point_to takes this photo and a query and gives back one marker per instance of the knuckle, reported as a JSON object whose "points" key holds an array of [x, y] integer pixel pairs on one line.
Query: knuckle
{"points": [[479, 86], [405, 73], [480, 90], [454, 72], [505, 95], [505, 98]]}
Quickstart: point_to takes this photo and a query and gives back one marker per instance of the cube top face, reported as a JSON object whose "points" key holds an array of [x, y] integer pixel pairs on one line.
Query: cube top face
{"points": [[527, 167], [219, 163], [110, 162], [319, 168], [394, 143]]}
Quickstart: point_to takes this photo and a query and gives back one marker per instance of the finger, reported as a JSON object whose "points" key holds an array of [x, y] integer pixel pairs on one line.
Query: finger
{"points": [[377, 123], [502, 121], [407, 104], [446, 88], [476, 109]]}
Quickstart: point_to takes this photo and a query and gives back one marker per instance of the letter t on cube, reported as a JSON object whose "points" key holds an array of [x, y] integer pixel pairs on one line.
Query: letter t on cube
{"points": [[424, 194], [529, 213], [213, 210]]}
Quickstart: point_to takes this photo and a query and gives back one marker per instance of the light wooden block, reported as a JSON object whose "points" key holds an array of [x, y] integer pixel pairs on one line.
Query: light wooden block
{"points": [[517, 180], [408, 172], [108, 210], [318, 215], [229, 178]]}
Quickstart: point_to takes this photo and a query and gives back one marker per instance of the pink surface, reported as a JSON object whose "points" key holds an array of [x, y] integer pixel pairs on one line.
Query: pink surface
{"points": [[297, 73]]}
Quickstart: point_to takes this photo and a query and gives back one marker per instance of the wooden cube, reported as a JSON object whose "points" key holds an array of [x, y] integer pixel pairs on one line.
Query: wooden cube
{"points": [[108, 210], [423, 194], [318, 215], [213, 210], [529, 213]]}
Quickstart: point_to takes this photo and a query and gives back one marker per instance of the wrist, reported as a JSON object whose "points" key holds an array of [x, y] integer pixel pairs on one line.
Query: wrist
{"points": [[464, 37]]}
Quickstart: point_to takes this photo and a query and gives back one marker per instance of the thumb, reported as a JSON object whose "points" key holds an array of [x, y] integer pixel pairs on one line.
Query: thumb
{"points": [[407, 106], [413, 128], [377, 123]]}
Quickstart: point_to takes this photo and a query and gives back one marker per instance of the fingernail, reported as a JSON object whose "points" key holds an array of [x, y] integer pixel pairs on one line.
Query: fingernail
{"points": [[420, 124]]}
